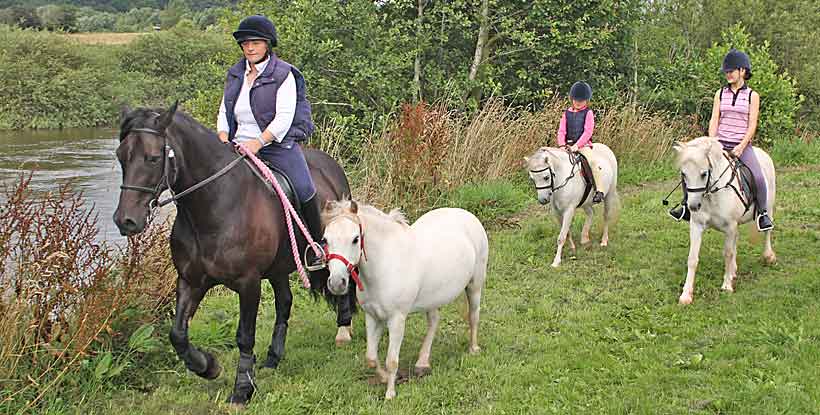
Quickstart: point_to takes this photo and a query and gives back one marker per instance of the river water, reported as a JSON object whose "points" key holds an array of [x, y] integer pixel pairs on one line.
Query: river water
{"points": [[83, 156]]}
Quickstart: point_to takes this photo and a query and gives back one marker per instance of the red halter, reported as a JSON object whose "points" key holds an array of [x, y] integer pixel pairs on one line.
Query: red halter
{"points": [[352, 269]]}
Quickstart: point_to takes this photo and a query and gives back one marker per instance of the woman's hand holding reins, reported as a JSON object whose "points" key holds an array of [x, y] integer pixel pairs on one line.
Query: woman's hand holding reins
{"points": [[223, 136]]}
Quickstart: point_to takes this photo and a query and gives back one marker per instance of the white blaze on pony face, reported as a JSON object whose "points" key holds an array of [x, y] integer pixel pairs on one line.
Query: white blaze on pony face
{"points": [[539, 170], [343, 239]]}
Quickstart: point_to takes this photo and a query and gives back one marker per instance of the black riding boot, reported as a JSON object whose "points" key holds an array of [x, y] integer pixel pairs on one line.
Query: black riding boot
{"points": [[313, 220]]}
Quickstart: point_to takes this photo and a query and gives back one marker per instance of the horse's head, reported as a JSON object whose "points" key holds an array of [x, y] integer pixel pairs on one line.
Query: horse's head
{"points": [[345, 243], [542, 173], [697, 161], [144, 155]]}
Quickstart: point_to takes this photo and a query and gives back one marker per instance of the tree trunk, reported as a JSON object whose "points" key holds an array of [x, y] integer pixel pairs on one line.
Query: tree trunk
{"points": [[417, 96], [481, 49]]}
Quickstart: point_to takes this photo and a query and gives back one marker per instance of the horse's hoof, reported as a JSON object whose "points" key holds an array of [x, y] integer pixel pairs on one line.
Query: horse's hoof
{"points": [[343, 336], [685, 300], [372, 364], [421, 372], [272, 362], [604, 244], [237, 407], [213, 370], [389, 395], [555, 264], [475, 349], [770, 259]]}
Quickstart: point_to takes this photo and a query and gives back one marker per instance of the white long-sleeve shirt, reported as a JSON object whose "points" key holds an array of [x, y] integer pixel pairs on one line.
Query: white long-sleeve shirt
{"points": [[247, 128]]}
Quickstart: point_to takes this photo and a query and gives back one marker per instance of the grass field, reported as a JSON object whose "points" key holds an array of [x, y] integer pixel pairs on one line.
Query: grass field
{"points": [[602, 334]]}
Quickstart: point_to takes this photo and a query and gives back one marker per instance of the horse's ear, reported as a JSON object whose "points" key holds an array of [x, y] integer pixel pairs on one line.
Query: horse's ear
{"points": [[168, 116], [124, 111], [354, 208]]}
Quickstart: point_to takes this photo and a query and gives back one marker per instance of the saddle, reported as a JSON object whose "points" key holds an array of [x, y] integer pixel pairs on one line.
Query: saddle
{"points": [[586, 173], [282, 179], [748, 191]]}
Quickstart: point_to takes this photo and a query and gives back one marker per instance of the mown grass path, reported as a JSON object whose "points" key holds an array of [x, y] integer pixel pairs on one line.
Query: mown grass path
{"points": [[602, 334]]}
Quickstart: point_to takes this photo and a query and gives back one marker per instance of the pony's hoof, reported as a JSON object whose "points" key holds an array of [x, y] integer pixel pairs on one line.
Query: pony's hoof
{"points": [[372, 364], [685, 299], [604, 244], [728, 288], [475, 349], [389, 395], [237, 407], [213, 370], [770, 259], [343, 336], [421, 372], [585, 242], [555, 264]]}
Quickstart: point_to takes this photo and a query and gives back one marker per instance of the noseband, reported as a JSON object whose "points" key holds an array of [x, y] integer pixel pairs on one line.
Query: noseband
{"points": [[551, 186], [351, 268]]}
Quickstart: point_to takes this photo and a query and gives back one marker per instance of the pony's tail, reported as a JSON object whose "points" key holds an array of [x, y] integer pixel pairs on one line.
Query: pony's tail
{"points": [[612, 207]]}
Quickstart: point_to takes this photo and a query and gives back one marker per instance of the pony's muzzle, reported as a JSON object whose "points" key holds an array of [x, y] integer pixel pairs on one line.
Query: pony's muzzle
{"points": [[694, 207], [337, 285]]}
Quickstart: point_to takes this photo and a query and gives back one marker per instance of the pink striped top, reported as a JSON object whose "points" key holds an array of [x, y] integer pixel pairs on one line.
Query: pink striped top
{"points": [[734, 114]]}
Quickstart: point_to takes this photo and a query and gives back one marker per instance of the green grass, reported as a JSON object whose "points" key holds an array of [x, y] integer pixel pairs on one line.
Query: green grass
{"points": [[602, 334]]}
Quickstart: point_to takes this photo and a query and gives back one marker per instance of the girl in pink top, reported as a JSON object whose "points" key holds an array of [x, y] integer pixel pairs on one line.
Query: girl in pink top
{"points": [[734, 122], [575, 131]]}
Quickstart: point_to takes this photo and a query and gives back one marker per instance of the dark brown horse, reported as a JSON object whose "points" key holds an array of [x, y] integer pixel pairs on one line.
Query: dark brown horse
{"points": [[231, 231]]}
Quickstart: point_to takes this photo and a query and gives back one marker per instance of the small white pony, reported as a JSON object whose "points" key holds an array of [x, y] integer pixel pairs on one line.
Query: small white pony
{"points": [[557, 178], [707, 175], [401, 269]]}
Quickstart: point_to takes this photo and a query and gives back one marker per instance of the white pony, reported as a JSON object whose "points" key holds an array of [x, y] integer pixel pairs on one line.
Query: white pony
{"points": [[707, 175], [557, 178], [401, 269]]}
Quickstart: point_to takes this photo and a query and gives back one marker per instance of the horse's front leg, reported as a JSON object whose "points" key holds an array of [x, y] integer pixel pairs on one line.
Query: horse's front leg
{"points": [[244, 385], [202, 363], [344, 318], [423, 363], [587, 225], [566, 222], [695, 236], [395, 327], [374, 328], [730, 258], [283, 299]]}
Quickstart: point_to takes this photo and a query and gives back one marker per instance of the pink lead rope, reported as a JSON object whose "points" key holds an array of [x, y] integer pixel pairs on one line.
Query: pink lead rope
{"points": [[290, 214]]}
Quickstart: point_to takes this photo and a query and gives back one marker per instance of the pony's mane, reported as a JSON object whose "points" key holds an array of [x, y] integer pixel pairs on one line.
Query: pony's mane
{"points": [[338, 208], [696, 148]]}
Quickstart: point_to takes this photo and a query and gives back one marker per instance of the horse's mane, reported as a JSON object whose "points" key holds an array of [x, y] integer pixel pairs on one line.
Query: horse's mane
{"points": [[337, 208], [143, 117]]}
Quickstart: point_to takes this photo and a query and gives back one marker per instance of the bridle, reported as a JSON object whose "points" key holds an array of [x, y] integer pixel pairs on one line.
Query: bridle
{"points": [[167, 155], [551, 186], [351, 268]]}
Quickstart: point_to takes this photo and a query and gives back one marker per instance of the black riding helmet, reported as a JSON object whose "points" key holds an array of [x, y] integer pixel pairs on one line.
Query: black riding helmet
{"points": [[580, 91], [256, 27], [736, 59]]}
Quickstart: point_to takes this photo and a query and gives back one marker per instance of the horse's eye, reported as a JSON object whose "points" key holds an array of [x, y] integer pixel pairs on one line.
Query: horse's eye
{"points": [[703, 175], [356, 240], [151, 159]]}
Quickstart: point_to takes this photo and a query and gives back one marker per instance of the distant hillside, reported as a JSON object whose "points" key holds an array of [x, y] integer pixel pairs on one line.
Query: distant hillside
{"points": [[117, 5]]}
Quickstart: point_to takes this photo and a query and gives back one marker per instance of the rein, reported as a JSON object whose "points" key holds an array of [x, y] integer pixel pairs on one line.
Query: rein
{"points": [[711, 187], [167, 155], [551, 186]]}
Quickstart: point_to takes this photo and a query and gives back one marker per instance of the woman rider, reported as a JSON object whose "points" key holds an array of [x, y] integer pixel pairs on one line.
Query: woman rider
{"points": [[264, 106]]}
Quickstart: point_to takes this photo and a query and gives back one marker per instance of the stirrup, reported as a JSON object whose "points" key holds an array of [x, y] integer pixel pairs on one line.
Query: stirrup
{"points": [[757, 223], [682, 214], [322, 261]]}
